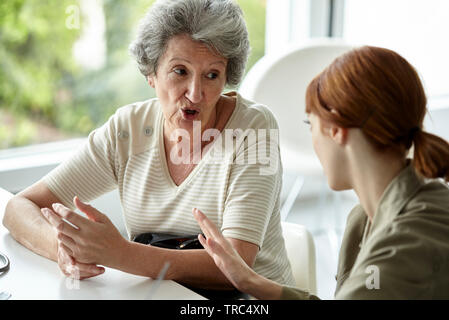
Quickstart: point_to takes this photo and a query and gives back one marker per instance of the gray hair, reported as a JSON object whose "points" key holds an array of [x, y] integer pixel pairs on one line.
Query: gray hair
{"points": [[219, 24]]}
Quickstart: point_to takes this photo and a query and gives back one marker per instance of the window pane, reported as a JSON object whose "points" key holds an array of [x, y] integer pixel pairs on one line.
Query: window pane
{"points": [[416, 29], [65, 66]]}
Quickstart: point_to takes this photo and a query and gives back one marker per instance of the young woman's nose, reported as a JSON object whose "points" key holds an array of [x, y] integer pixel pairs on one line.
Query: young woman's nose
{"points": [[194, 90]]}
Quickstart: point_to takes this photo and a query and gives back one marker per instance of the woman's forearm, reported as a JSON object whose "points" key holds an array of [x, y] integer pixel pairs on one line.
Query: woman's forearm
{"points": [[26, 224], [261, 288], [190, 267]]}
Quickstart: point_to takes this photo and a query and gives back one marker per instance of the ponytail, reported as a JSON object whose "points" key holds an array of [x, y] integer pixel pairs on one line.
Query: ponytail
{"points": [[431, 155]]}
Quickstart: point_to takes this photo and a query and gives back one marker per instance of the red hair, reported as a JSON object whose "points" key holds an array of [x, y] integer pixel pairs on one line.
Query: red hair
{"points": [[377, 90]]}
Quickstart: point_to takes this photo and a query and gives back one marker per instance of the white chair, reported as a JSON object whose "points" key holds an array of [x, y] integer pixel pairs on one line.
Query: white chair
{"points": [[280, 81], [301, 254]]}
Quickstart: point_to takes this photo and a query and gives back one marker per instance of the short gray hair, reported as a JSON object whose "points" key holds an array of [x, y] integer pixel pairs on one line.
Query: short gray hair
{"points": [[218, 24]]}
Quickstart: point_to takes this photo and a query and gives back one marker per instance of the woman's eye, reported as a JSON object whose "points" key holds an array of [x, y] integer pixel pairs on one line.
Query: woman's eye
{"points": [[180, 71], [212, 75], [307, 122]]}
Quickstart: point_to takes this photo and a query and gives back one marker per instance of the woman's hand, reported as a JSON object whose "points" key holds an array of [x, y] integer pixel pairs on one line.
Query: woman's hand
{"points": [[90, 241], [68, 265], [73, 269], [225, 256]]}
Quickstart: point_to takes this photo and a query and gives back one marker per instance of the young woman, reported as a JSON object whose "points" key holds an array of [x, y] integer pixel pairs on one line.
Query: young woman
{"points": [[366, 111]]}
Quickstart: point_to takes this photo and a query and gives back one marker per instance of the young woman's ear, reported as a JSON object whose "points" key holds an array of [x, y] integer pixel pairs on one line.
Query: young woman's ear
{"points": [[338, 134]]}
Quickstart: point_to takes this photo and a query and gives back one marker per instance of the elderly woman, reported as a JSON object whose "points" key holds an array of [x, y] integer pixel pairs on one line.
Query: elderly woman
{"points": [[366, 110], [188, 51]]}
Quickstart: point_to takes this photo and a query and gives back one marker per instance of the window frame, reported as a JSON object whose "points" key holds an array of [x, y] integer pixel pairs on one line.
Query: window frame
{"points": [[291, 22], [23, 166]]}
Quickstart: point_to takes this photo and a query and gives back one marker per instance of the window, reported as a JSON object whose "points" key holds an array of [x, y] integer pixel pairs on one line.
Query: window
{"points": [[295, 22], [416, 29], [65, 67]]}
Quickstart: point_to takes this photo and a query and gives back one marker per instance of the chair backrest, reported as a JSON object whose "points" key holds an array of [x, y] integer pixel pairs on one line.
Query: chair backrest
{"points": [[301, 254], [280, 80]]}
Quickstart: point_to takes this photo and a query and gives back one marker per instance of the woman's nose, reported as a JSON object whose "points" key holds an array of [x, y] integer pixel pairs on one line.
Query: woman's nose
{"points": [[194, 90]]}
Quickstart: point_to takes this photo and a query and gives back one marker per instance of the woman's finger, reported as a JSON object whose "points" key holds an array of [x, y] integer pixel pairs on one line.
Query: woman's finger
{"points": [[210, 245], [65, 261], [227, 260], [88, 275], [210, 229], [69, 215], [68, 243], [223, 259], [88, 270], [58, 223], [76, 270], [199, 216], [205, 245], [80, 271], [91, 213], [66, 249], [54, 219]]}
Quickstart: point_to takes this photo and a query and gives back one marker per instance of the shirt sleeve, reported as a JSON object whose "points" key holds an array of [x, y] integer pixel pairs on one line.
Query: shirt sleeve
{"points": [[90, 172], [292, 293], [254, 187], [396, 264]]}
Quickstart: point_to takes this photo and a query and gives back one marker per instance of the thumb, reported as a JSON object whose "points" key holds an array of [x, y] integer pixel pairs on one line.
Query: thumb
{"points": [[91, 213]]}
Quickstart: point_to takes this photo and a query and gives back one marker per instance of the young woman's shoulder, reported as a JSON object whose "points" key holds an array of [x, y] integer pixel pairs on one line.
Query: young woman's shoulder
{"points": [[431, 202]]}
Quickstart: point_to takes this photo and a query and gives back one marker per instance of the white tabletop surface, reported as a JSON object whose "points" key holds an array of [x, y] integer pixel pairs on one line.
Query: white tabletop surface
{"points": [[34, 277]]}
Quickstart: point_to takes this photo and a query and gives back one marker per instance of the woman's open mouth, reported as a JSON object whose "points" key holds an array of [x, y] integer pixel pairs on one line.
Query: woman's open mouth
{"points": [[190, 113]]}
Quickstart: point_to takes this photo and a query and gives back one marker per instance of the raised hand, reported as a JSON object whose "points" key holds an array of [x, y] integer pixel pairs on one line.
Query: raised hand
{"points": [[225, 256]]}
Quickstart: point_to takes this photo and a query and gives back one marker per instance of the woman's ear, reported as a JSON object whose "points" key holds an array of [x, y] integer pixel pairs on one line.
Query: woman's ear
{"points": [[338, 134], [150, 80]]}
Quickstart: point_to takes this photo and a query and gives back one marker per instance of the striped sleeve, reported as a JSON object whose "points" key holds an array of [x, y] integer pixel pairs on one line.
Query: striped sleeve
{"points": [[91, 172], [253, 189]]}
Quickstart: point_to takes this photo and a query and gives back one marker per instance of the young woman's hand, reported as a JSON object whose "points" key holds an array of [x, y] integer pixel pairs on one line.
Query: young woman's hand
{"points": [[225, 256]]}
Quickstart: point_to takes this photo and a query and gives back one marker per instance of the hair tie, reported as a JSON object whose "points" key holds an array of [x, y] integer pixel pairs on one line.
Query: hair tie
{"points": [[408, 138], [413, 132]]}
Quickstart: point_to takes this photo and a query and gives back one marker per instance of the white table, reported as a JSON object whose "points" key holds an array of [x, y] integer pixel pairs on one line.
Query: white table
{"points": [[34, 277]]}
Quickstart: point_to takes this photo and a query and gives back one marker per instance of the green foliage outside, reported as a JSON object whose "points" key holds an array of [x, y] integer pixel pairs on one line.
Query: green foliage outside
{"points": [[254, 11], [45, 95]]}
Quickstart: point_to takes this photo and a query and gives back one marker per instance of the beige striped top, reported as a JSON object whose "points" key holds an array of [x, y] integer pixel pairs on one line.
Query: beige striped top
{"points": [[236, 183]]}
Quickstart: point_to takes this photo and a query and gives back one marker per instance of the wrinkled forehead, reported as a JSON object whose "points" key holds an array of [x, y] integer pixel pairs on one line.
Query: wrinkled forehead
{"points": [[185, 48]]}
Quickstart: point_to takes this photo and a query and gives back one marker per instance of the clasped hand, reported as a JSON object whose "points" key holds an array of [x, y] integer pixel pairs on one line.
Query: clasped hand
{"points": [[90, 242]]}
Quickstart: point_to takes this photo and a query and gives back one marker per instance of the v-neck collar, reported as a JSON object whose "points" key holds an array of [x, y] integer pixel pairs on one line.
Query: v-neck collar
{"points": [[161, 145]]}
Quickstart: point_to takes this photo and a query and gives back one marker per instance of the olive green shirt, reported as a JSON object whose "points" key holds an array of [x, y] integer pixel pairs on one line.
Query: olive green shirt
{"points": [[403, 253]]}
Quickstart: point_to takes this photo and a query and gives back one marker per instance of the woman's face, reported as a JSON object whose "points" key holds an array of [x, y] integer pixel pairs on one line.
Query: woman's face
{"points": [[189, 81], [328, 146]]}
